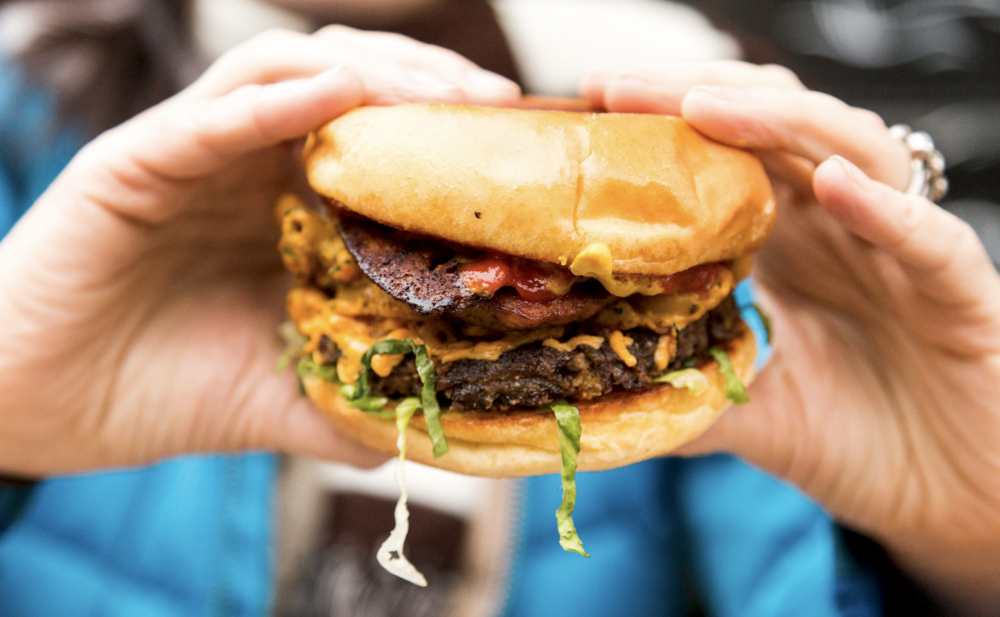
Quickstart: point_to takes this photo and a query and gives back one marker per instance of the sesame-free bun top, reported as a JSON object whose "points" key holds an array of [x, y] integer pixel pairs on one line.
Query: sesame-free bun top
{"points": [[648, 191]]}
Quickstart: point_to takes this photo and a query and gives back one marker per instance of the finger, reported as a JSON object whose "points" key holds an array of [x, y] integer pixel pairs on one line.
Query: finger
{"points": [[198, 139], [770, 431], [386, 81], [280, 55], [789, 169], [273, 56], [159, 151], [302, 429], [661, 89], [811, 125], [941, 253], [421, 56]]}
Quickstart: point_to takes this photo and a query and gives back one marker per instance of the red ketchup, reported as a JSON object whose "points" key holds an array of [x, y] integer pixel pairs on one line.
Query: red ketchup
{"points": [[698, 278], [534, 281], [538, 282], [486, 276]]}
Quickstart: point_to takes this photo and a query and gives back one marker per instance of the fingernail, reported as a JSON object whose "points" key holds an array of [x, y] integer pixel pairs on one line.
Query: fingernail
{"points": [[853, 173], [726, 93]]}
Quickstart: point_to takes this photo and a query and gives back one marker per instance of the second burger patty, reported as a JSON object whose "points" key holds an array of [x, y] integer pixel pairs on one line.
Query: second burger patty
{"points": [[535, 375]]}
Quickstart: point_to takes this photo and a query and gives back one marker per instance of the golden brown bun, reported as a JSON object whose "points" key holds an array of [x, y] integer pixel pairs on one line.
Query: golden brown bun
{"points": [[618, 430], [547, 184]]}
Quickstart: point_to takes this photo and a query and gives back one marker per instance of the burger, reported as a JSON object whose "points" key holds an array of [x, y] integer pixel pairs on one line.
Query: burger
{"points": [[537, 284]]}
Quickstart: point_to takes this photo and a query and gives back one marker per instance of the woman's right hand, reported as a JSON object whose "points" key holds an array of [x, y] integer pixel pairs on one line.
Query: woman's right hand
{"points": [[140, 295], [880, 400]]}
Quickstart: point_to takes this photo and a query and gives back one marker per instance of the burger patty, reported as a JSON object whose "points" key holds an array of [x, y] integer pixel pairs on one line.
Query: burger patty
{"points": [[534, 375]]}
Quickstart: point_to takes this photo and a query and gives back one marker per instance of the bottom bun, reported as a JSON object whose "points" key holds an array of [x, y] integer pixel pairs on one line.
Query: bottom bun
{"points": [[618, 429]]}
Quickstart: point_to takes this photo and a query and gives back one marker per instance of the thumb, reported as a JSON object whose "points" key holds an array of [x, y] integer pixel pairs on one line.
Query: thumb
{"points": [[302, 429], [196, 138], [184, 139], [769, 429]]}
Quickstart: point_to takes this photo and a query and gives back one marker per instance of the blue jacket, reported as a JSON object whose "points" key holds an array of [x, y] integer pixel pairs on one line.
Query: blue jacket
{"points": [[193, 536]]}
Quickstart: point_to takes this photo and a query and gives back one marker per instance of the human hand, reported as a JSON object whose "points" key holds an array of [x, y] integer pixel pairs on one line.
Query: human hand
{"points": [[141, 293], [880, 399]]}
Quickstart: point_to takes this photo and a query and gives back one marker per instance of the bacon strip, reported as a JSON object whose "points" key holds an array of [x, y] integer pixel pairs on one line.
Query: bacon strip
{"points": [[420, 272]]}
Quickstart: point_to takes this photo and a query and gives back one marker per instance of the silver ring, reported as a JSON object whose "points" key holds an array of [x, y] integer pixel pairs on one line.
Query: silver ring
{"points": [[926, 163]]}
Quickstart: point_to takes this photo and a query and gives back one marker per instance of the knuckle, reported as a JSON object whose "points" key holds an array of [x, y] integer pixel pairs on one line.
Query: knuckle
{"points": [[869, 119], [247, 100], [337, 32], [448, 54], [273, 37], [912, 214], [821, 109], [777, 73]]}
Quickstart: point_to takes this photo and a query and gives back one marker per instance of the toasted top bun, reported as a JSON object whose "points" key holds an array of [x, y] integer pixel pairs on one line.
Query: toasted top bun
{"points": [[633, 193], [618, 429]]}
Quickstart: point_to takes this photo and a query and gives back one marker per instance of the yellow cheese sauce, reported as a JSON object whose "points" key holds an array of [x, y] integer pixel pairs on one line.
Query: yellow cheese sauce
{"points": [[573, 343], [490, 350], [596, 261], [619, 344], [364, 298], [662, 314], [666, 348]]}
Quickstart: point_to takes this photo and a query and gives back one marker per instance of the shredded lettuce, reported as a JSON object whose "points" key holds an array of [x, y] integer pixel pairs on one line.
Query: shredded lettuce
{"points": [[735, 390], [294, 342], [307, 368], [690, 378], [372, 404], [568, 421], [428, 394], [765, 321], [390, 555]]}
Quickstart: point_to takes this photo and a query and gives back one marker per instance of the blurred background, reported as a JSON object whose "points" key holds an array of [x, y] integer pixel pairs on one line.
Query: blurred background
{"points": [[932, 64]]}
